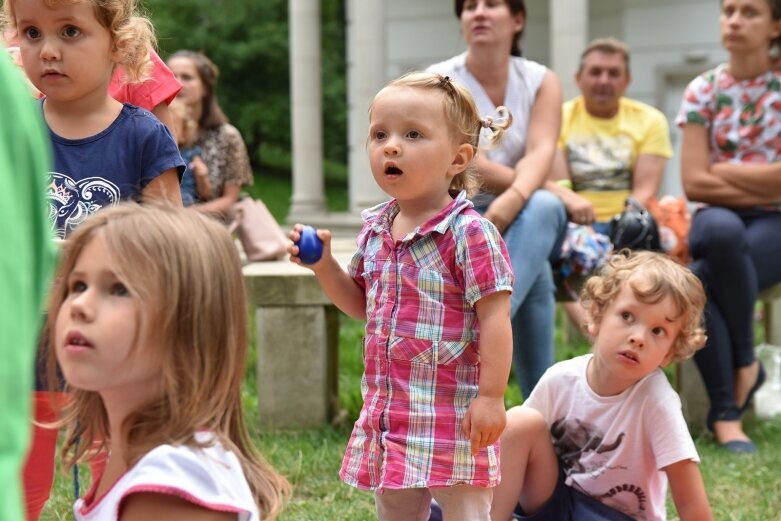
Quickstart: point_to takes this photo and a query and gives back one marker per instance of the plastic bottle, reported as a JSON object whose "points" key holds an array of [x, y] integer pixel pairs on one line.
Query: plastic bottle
{"points": [[767, 400]]}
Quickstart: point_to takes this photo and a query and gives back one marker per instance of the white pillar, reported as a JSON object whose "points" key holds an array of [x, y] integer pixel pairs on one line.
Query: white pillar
{"points": [[568, 38], [306, 107], [365, 76]]}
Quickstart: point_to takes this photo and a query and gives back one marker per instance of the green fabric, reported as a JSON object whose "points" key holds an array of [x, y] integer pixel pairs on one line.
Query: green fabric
{"points": [[26, 258]]}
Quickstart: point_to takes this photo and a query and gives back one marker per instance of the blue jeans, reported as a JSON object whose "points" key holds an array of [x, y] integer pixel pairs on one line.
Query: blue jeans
{"points": [[534, 240], [735, 254]]}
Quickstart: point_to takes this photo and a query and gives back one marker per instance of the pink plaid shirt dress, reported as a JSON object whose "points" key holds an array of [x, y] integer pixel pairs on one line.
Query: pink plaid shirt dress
{"points": [[421, 351]]}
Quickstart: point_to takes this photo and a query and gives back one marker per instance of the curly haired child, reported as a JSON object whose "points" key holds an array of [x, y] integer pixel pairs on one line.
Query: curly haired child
{"points": [[104, 151], [602, 434]]}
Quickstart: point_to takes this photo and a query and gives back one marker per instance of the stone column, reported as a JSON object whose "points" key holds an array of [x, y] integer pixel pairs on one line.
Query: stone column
{"points": [[365, 76], [568, 38], [306, 109]]}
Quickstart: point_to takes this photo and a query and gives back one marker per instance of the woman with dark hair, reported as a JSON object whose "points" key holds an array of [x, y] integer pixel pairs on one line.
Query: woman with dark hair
{"points": [[225, 160], [731, 162], [531, 220]]}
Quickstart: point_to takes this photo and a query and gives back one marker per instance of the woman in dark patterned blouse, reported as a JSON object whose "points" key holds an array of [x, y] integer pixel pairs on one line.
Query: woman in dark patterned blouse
{"points": [[225, 159]]}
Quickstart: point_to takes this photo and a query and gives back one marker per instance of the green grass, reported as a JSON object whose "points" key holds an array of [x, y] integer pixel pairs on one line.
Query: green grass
{"points": [[741, 488]]}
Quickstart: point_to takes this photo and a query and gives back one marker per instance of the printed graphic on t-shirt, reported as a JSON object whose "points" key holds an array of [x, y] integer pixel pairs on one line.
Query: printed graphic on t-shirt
{"points": [[600, 163], [71, 202], [578, 445]]}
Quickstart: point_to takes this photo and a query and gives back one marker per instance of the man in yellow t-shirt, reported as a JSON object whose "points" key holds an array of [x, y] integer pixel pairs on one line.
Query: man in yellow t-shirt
{"points": [[610, 147]]}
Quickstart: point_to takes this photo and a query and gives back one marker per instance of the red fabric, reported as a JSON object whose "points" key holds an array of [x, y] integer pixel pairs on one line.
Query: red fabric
{"points": [[38, 472], [161, 87], [97, 465]]}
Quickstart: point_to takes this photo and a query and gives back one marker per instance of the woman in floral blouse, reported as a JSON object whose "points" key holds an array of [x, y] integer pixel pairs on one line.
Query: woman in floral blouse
{"points": [[731, 162], [225, 160]]}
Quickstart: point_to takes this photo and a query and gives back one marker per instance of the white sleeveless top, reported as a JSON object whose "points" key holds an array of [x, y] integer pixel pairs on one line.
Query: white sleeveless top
{"points": [[211, 478], [523, 82]]}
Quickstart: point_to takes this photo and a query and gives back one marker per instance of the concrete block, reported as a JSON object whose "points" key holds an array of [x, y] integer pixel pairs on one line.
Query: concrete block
{"points": [[297, 341], [689, 382], [694, 398], [282, 283], [772, 304], [297, 365]]}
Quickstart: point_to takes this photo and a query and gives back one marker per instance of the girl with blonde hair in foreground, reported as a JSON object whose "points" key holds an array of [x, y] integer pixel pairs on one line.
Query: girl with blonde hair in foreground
{"points": [[148, 323]]}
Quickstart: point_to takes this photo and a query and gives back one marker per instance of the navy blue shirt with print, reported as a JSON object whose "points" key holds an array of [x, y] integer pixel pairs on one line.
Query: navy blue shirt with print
{"points": [[112, 166]]}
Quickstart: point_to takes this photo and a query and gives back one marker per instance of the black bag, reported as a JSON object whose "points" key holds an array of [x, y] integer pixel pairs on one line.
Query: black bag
{"points": [[634, 228]]}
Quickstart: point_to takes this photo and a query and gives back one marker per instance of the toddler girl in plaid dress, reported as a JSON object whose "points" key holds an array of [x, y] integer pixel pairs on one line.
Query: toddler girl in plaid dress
{"points": [[432, 279]]}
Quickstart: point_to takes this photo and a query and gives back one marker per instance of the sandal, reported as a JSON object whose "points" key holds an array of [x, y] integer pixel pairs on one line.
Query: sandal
{"points": [[733, 446], [739, 446]]}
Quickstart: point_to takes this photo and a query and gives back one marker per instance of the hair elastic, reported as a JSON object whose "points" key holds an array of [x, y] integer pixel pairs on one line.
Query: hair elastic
{"points": [[487, 122], [446, 83]]}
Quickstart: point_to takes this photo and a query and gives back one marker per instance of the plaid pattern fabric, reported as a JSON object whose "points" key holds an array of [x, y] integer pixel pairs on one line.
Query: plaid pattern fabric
{"points": [[421, 351]]}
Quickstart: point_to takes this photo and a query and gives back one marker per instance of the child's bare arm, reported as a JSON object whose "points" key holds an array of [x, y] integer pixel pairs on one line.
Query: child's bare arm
{"points": [[164, 187], [163, 113], [688, 491], [201, 175], [485, 419], [340, 288]]}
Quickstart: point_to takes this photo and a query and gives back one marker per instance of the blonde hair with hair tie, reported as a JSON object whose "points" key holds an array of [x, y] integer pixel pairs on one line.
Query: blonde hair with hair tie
{"points": [[466, 124]]}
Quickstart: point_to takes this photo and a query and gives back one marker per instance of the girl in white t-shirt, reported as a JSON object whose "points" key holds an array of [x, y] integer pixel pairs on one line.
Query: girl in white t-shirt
{"points": [[148, 326], [602, 434]]}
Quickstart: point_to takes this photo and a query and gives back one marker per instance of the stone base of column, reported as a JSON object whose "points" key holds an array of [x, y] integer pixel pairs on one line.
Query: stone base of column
{"points": [[694, 397], [297, 343], [297, 365]]}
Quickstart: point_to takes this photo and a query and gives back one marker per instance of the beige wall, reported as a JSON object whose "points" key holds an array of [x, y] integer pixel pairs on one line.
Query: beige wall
{"points": [[661, 33], [671, 41]]}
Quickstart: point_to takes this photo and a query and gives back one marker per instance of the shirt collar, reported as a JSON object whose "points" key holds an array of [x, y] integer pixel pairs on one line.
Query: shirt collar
{"points": [[381, 217]]}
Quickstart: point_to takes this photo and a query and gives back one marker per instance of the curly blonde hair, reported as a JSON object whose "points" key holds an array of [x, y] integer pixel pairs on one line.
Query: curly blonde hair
{"points": [[186, 127], [132, 34], [659, 277], [465, 122]]}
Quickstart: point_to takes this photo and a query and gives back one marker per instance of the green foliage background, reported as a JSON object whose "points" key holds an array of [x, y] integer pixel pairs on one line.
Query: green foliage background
{"points": [[248, 40]]}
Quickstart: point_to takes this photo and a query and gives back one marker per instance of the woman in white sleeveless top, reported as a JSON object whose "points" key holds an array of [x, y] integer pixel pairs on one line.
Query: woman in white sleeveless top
{"points": [[532, 220]]}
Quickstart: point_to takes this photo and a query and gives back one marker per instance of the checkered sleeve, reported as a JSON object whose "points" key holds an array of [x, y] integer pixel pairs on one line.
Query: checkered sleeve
{"points": [[482, 261], [355, 268]]}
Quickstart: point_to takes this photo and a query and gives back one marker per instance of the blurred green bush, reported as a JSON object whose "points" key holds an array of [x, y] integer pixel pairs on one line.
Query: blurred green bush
{"points": [[248, 40]]}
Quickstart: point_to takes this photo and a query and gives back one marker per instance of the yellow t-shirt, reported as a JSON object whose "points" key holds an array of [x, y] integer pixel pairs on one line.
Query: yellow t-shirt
{"points": [[601, 153]]}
